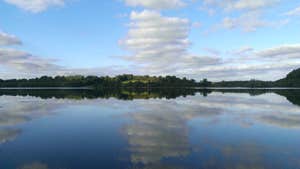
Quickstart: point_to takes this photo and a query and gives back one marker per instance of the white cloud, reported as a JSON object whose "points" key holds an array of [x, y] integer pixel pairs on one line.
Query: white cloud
{"points": [[35, 6], [294, 12], [253, 4], [248, 22], [159, 44], [230, 5], [153, 38], [281, 52], [245, 71], [246, 63], [15, 63], [212, 51], [20, 61], [23, 61], [245, 15], [197, 24], [20, 64], [156, 4], [243, 51], [6, 39]]}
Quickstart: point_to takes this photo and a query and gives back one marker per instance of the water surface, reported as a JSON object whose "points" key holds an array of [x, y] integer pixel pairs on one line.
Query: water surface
{"points": [[184, 129]]}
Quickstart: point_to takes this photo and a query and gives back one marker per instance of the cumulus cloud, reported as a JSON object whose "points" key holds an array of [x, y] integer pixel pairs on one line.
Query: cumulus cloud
{"points": [[35, 6], [154, 36], [20, 64], [197, 24], [294, 12], [212, 51], [247, 63], [246, 71], [159, 46], [243, 51], [253, 4], [250, 22], [230, 5], [6, 39], [24, 61], [248, 15], [156, 4], [160, 43], [247, 22], [281, 52], [15, 63], [152, 54]]}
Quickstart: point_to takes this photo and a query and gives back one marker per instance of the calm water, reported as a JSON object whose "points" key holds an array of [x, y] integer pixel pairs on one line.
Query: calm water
{"points": [[222, 129]]}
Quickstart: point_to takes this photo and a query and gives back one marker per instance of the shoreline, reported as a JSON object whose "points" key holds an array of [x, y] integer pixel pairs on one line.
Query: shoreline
{"points": [[249, 88], [209, 88], [45, 88]]}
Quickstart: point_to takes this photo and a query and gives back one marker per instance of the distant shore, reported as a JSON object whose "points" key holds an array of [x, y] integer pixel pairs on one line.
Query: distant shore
{"points": [[249, 88], [291, 81], [209, 88], [45, 88]]}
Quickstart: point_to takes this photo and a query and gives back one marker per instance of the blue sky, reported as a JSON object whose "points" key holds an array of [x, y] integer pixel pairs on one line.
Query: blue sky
{"points": [[232, 39]]}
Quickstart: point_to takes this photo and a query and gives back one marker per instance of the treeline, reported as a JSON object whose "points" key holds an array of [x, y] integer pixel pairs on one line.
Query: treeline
{"points": [[246, 84], [291, 80], [132, 81], [121, 81]]}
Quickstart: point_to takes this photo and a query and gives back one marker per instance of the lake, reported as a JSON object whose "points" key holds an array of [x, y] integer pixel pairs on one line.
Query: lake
{"points": [[157, 129]]}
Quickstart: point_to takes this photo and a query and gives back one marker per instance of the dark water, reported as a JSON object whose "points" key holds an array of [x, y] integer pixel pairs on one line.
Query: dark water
{"points": [[180, 129]]}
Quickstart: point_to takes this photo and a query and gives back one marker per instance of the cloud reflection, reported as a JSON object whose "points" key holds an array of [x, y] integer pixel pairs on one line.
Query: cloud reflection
{"points": [[36, 165], [8, 134], [160, 131]]}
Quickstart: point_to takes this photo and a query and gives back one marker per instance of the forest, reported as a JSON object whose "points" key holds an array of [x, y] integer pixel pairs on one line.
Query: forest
{"points": [[291, 80], [121, 81], [132, 81]]}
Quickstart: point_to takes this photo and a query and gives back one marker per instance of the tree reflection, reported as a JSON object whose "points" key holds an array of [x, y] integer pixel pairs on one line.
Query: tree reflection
{"points": [[158, 132], [292, 95]]}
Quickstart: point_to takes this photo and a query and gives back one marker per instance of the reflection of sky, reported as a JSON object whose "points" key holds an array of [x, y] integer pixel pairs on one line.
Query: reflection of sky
{"points": [[160, 131], [234, 130], [160, 128], [35, 165], [267, 109], [8, 134]]}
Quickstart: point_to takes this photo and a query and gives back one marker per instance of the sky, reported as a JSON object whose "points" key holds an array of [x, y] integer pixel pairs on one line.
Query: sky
{"points": [[214, 39]]}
